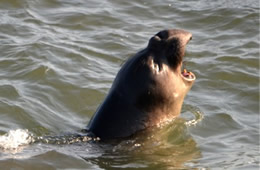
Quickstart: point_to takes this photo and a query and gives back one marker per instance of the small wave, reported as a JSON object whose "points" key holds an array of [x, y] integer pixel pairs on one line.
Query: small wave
{"points": [[198, 116], [15, 139]]}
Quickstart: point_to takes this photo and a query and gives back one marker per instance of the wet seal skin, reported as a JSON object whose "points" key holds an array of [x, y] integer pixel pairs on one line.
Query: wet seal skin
{"points": [[149, 88]]}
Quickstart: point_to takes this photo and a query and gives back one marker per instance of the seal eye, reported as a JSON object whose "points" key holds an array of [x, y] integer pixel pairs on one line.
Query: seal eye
{"points": [[154, 42], [157, 38], [163, 34]]}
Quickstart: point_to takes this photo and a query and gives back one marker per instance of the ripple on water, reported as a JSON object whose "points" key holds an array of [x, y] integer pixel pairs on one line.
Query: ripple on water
{"points": [[8, 91], [14, 4], [58, 60]]}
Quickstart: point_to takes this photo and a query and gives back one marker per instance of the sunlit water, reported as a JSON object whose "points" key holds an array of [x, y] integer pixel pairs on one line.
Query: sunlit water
{"points": [[59, 58]]}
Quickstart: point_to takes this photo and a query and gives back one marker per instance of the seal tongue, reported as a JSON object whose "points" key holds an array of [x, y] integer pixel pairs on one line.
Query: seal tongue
{"points": [[187, 74]]}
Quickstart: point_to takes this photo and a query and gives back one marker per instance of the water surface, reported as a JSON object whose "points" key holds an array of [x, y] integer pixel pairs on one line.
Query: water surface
{"points": [[59, 58]]}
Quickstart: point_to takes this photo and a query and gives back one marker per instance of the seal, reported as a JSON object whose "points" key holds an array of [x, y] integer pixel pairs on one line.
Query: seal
{"points": [[149, 88]]}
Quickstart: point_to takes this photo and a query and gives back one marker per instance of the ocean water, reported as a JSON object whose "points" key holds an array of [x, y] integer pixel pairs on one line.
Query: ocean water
{"points": [[58, 60]]}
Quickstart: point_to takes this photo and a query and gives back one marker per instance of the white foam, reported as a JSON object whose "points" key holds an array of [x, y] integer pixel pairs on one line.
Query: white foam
{"points": [[15, 139], [198, 117]]}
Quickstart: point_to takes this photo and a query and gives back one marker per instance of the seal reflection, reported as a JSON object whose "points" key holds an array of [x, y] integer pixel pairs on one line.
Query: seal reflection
{"points": [[167, 147]]}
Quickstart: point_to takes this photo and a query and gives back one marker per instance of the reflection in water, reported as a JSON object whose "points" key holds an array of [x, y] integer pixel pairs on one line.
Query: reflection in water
{"points": [[169, 146]]}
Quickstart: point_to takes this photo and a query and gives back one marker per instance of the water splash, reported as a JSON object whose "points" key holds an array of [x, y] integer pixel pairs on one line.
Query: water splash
{"points": [[198, 116], [65, 139], [15, 139]]}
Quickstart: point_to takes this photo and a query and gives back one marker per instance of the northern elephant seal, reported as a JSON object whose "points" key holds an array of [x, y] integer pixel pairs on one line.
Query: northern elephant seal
{"points": [[149, 88]]}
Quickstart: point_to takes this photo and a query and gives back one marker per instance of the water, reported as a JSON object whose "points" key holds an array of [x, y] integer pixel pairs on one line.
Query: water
{"points": [[59, 58]]}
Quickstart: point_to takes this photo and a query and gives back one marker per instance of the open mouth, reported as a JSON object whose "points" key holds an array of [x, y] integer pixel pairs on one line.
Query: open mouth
{"points": [[187, 75]]}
